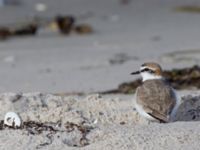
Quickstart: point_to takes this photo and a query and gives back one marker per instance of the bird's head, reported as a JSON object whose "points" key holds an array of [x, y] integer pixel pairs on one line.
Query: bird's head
{"points": [[149, 71]]}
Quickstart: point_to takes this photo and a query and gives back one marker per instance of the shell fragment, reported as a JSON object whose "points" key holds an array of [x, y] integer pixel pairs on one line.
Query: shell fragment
{"points": [[12, 119]]}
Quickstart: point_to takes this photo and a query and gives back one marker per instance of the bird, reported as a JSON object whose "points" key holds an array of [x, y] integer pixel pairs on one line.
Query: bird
{"points": [[155, 99]]}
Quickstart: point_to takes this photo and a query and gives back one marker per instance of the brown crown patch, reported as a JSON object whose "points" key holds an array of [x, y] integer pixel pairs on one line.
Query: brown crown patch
{"points": [[154, 66]]}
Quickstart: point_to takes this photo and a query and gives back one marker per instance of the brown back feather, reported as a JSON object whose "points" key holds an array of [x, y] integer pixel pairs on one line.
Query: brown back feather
{"points": [[157, 98]]}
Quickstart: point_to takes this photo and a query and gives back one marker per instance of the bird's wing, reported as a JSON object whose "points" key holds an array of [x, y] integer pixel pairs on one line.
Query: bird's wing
{"points": [[156, 98], [157, 115]]}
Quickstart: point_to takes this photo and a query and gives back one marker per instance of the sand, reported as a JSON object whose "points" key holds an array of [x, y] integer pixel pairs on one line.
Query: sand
{"points": [[95, 122]]}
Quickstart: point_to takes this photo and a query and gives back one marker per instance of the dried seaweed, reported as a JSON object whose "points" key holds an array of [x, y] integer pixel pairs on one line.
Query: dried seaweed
{"points": [[1, 125], [29, 29], [50, 129], [83, 29], [189, 9], [4, 33], [82, 128], [37, 128], [187, 78], [64, 23]]}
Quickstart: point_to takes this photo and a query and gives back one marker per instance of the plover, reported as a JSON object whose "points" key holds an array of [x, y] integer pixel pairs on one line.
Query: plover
{"points": [[155, 99]]}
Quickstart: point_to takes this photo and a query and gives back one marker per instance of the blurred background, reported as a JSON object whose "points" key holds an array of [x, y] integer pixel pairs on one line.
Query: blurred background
{"points": [[67, 46]]}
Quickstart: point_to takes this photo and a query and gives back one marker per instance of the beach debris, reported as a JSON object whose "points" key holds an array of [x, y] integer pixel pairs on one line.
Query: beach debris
{"points": [[65, 23], [95, 121], [83, 129], [186, 78], [29, 29], [74, 135], [35, 128], [83, 29], [188, 9], [12, 119], [4, 33]]}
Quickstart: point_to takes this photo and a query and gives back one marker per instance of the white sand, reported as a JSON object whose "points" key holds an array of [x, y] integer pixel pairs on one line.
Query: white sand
{"points": [[111, 121]]}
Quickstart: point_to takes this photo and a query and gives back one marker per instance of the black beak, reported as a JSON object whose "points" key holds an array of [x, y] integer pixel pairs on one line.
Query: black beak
{"points": [[136, 72]]}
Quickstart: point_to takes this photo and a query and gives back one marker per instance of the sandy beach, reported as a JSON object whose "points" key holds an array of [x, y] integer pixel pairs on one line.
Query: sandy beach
{"points": [[95, 122], [42, 75]]}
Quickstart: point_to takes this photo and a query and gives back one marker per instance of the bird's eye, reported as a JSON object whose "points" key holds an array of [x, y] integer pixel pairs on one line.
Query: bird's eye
{"points": [[147, 70]]}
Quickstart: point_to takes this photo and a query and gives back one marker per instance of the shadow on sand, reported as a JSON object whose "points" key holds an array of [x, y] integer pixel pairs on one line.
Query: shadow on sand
{"points": [[189, 109]]}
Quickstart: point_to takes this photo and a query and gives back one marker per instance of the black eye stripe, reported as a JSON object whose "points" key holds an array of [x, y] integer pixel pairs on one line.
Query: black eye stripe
{"points": [[147, 70]]}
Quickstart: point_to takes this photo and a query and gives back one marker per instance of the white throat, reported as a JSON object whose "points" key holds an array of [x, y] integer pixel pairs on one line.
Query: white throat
{"points": [[148, 76]]}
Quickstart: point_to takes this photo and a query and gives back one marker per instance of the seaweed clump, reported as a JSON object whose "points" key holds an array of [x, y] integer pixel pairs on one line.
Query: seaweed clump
{"points": [[76, 133], [186, 78], [67, 24]]}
